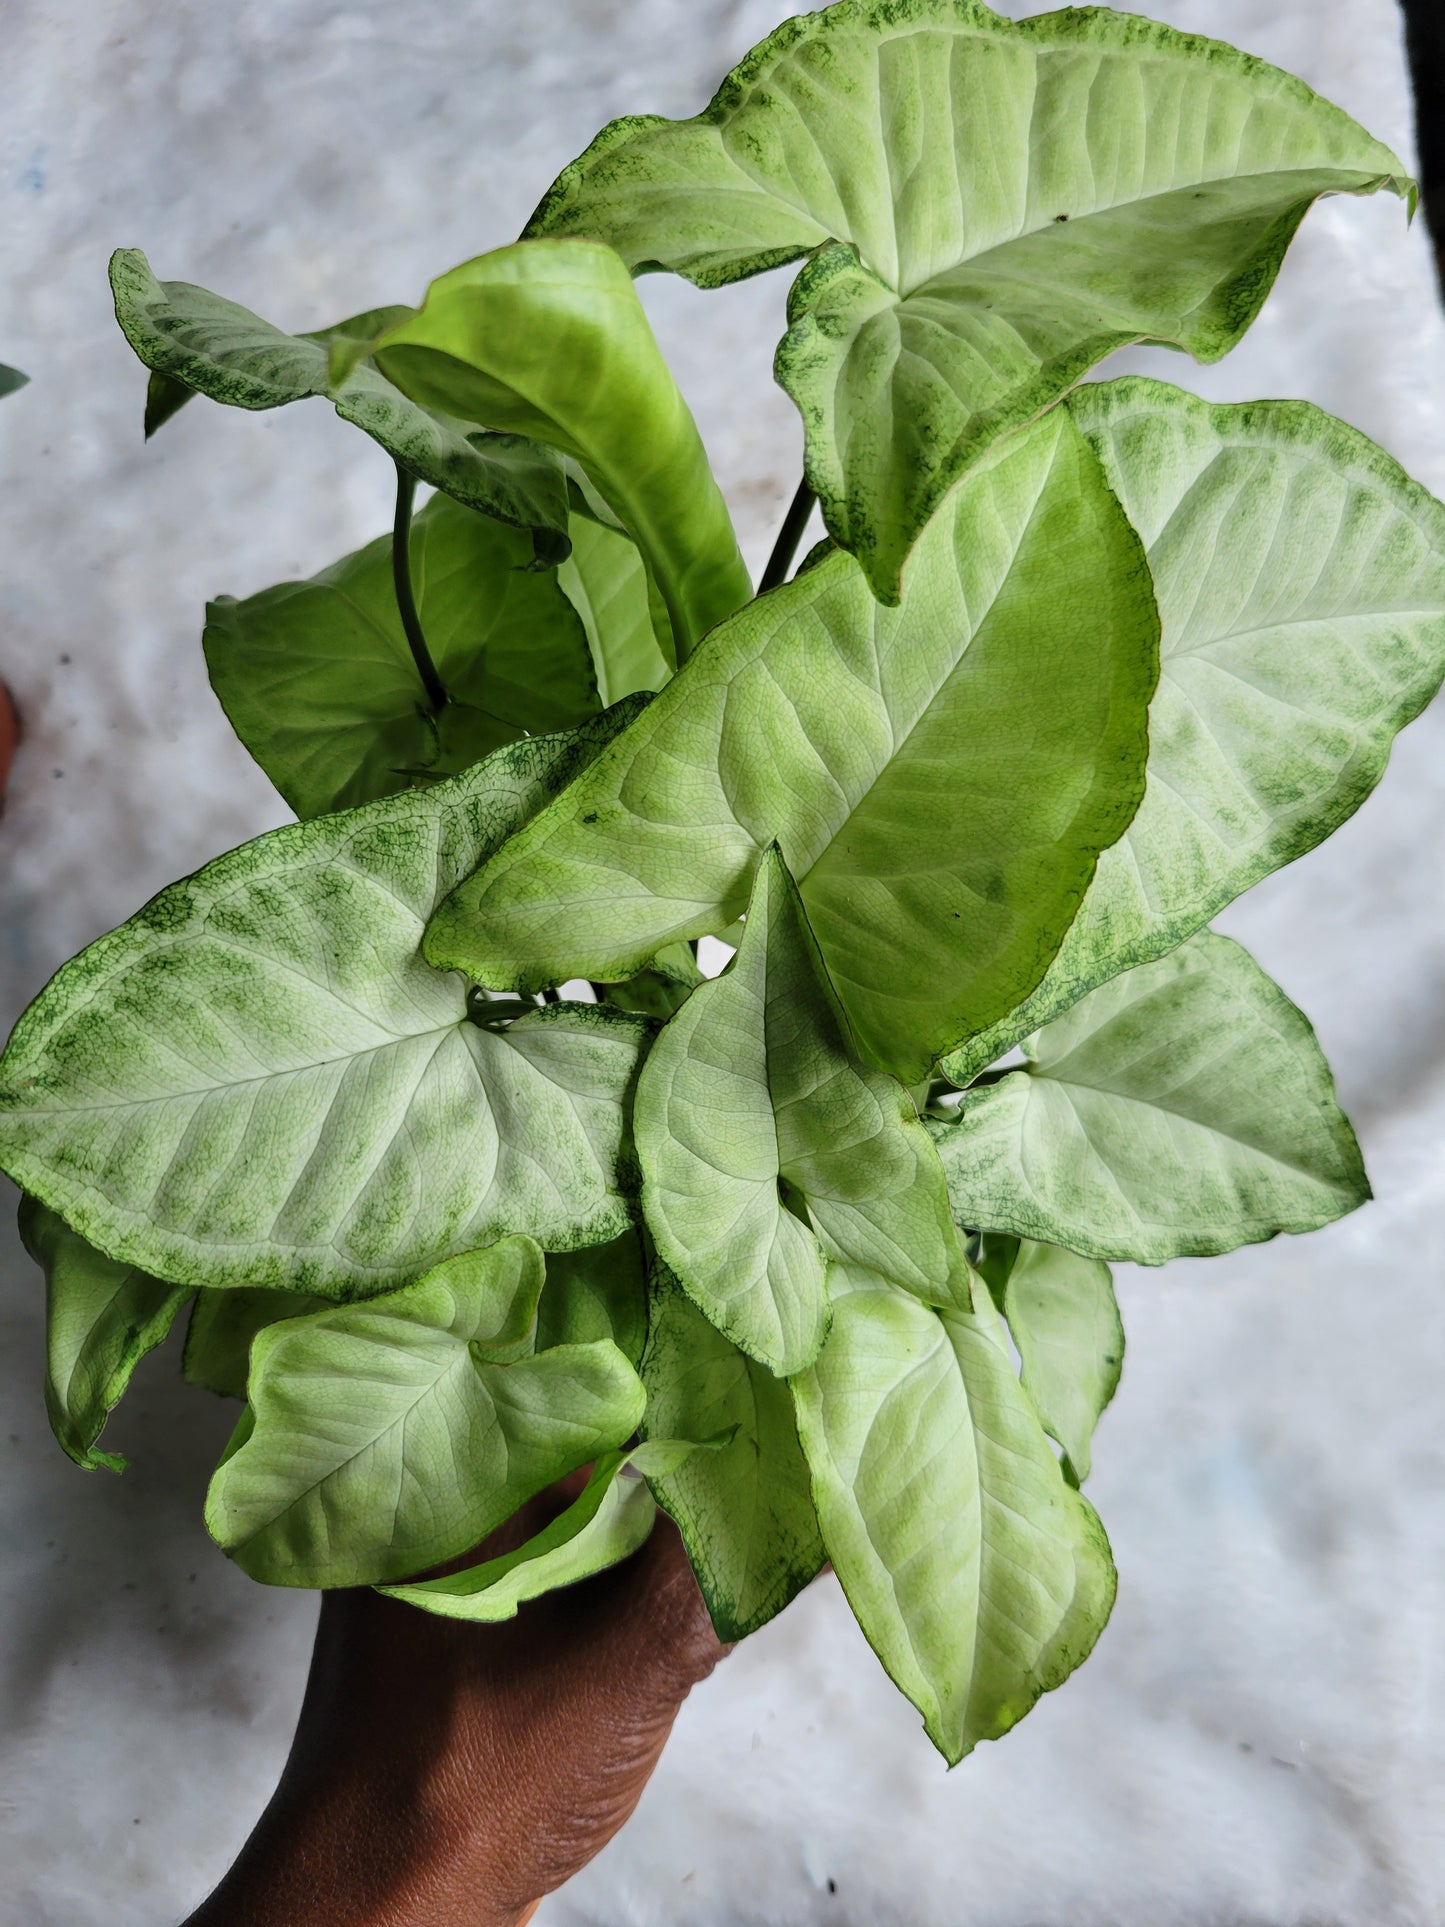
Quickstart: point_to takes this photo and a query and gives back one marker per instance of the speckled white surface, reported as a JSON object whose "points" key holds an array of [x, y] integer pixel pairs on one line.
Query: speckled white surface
{"points": [[1261, 1736]]}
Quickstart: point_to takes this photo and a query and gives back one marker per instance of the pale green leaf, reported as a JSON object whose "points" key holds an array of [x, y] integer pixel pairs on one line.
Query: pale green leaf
{"points": [[548, 339], [224, 1323], [1301, 583], [320, 684], [979, 1575], [606, 581], [385, 1438], [259, 1081], [606, 1523], [999, 204], [197, 341], [767, 1147], [599, 1292], [941, 777], [745, 1509], [1182, 1109], [101, 1318], [1065, 1322], [662, 989]]}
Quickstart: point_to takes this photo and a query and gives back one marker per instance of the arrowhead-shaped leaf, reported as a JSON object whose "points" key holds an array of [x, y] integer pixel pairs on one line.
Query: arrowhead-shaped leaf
{"points": [[606, 1523], [745, 1509], [1065, 1323], [941, 777], [101, 1318], [979, 1575], [387, 1437], [1181, 1110], [320, 684], [1006, 202], [549, 339], [258, 1081], [1301, 583], [197, 341], [767, 1147]]}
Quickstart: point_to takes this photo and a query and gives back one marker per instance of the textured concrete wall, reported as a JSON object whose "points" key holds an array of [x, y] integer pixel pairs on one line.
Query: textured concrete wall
{"points": [[1259, 1738]]}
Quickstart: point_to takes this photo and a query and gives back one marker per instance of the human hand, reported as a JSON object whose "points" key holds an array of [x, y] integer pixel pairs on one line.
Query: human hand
{"points": [[451, 1774]]}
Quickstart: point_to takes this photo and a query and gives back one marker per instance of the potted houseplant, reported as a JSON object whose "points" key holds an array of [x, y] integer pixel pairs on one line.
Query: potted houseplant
{"points": [[421, 1111]]}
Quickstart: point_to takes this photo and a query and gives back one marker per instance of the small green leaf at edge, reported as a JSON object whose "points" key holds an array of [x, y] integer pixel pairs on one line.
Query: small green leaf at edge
{"points": [[745, 1511], [606, 1523], [101, 1319], [1064, 1320]]}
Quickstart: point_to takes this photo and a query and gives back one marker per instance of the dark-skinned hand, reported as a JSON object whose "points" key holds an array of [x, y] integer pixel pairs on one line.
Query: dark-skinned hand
{"points": [[451, 1774]]}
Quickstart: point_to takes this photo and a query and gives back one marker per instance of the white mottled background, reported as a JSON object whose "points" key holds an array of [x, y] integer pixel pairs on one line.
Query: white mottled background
{"points": [[1260, 1739]]}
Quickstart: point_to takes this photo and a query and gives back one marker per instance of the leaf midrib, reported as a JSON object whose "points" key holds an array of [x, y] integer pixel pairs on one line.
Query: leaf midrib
{"points": [[238, 1084], [377, 1439], [1078, 222], [900, 744], [1067, 1085]]}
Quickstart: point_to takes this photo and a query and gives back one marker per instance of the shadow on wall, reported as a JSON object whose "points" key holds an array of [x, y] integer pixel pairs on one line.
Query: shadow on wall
{"points": [[1425, 45]]}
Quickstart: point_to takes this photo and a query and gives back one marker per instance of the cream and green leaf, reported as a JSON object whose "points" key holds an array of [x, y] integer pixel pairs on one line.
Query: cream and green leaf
{"points": [[768, 1148], [1180, 1110], [223, 1327], [320, 684], [605, 1524], [745, 1507], [941, 848], [258, 1080], [195, 341], [624, 617], [1077, 665], [1064, 1322], [1301, 583], [385, 1438], [991, 206], [597, 1292], [979, 1575], [548, 339], [101, 1318]]}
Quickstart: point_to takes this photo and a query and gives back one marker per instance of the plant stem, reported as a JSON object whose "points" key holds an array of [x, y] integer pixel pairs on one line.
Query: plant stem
{"points": [[436, 694], [789, 536]]}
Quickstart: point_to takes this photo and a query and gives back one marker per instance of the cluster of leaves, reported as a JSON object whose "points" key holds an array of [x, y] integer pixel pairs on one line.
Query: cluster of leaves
{"points": [[1075, 667]]}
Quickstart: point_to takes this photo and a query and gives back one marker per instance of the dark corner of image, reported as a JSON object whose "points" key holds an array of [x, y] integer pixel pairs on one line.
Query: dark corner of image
{"points": [[1425, 45]]}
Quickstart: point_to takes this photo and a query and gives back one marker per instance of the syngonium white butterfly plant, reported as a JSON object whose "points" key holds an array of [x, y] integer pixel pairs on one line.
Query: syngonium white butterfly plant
{"points": [[422, 1104]]}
